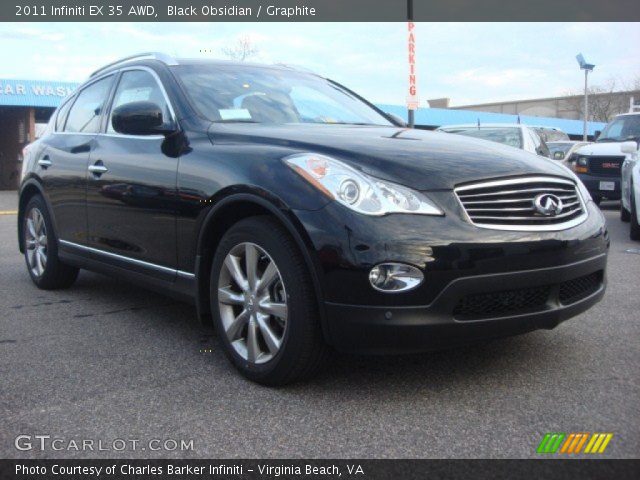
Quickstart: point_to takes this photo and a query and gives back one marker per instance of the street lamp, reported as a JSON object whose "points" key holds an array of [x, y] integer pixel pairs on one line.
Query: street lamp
{"points": [[587, 67]]}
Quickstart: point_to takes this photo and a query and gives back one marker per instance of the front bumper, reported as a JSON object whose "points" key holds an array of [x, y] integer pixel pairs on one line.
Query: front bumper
{"points": [[592, 182], [460, 263], [367, 329]]}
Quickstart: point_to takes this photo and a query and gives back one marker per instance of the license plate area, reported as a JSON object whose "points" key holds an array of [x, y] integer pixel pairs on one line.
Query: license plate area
{"points": [[608, 186]]}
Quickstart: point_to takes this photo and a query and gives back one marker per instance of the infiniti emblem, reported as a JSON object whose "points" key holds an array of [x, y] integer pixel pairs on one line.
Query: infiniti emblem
{"points": [[548, 204]]}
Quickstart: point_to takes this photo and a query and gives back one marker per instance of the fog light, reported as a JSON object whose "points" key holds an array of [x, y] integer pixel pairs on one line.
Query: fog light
{"points": [[395, 277]]}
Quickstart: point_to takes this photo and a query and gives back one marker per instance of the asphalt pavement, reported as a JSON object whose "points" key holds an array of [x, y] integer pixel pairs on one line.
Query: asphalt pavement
{"points": [[106, 360]]}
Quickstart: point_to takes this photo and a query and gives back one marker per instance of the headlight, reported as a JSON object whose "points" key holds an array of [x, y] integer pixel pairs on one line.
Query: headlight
{"points": [[584, 193], [356, 190], [586, 196]]}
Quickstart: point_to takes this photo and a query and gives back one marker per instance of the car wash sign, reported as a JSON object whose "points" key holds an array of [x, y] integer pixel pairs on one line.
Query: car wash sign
{"points": [[34, 93], [412, 97]]}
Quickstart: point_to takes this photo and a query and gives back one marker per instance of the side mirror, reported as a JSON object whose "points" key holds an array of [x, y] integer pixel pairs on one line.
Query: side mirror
{"points": [[138, 118], [397, 119], [558, 155], [629, 147], [596, 134]]}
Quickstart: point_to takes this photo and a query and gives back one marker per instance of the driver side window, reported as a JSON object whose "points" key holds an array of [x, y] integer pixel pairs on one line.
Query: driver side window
{"points": [[138, 86]]}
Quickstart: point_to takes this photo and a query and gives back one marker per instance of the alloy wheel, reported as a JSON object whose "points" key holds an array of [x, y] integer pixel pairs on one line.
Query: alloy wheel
{"points": [[36, 242], [253, 303]]}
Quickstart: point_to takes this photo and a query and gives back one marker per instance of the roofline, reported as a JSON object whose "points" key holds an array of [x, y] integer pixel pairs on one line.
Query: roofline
{"points": [[563, 97]]}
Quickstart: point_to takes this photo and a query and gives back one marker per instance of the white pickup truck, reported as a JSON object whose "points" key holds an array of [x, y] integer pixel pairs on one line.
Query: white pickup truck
{"points": [[599, 165]]}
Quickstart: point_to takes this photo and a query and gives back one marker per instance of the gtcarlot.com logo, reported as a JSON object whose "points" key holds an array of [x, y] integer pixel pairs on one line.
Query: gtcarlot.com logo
{"points": [[47, 442], [574, 443]]}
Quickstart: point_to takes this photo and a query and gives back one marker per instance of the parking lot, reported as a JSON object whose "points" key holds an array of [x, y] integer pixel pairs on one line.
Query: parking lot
{"points": [[106, 360]]}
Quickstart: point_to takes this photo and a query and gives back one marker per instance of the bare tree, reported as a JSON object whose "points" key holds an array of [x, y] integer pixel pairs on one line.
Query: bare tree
{"points": [[605, 101], [242, 49]]}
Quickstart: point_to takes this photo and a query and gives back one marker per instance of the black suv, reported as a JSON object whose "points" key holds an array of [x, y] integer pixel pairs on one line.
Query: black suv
{"points": [[297, 216]]}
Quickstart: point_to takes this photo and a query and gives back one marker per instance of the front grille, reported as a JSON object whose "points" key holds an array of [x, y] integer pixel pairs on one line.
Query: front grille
{"points": [[509, 204], [496, 304], [575, 290], [607, 166], [480, 306]]}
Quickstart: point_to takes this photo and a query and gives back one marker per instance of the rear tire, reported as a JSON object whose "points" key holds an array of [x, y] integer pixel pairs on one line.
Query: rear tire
{"points": [[635, 227], [41, 249], [270, 329], [625, 215]]}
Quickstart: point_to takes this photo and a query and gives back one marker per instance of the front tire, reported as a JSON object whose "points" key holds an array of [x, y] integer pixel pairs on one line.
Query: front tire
{"points": [[625, 215], [41, 249], [263, 304]]}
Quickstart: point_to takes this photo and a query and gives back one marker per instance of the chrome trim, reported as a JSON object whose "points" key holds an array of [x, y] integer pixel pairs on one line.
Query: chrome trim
{"points": [[45, 162], [515, 181], [519, 181], [135, 261], [162, 57]]}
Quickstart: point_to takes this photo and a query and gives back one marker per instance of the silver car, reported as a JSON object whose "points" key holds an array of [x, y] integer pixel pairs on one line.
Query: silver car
{"points": [[513, 135]]}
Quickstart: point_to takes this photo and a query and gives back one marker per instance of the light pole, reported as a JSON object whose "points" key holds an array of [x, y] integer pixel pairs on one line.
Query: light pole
{"points": [[587, 67]]}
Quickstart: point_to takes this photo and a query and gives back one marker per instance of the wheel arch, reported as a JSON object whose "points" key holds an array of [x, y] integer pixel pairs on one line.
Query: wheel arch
{"points": [[232, 208], [28, 190]]}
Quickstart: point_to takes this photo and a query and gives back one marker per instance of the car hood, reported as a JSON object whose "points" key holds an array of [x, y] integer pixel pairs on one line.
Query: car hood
{"points": [[423, 160], [604, 148]]}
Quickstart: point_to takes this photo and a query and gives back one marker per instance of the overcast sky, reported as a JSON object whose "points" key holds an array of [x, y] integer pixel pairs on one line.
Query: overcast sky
{"points": [[467, 62]]}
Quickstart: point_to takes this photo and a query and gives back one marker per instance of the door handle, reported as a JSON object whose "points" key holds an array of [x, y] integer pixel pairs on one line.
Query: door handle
{"points": [[98, 168], [45, 162]]}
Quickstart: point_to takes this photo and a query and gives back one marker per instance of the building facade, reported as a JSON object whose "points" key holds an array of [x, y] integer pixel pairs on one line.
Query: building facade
{"points": [[24, 105], [602, 106]]}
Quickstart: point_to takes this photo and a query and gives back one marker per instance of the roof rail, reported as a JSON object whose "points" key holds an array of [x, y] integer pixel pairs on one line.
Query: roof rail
{"points": [[163, 57]]}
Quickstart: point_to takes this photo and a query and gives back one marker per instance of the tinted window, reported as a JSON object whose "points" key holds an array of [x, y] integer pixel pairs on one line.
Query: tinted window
{"points": [[62, 115], [138, 86], [86, 111]]}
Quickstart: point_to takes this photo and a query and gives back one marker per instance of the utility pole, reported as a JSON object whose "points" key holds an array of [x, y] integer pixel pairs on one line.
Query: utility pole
{"points": [[586, 106]]}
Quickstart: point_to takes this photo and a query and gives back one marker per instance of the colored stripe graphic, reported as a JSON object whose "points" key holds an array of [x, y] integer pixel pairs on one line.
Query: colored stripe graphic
{"points": [[598, 443], [573, 443], [551, 442]]}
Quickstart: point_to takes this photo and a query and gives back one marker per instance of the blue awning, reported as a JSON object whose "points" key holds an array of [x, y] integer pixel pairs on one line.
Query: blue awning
{"points": [[34, 93]]}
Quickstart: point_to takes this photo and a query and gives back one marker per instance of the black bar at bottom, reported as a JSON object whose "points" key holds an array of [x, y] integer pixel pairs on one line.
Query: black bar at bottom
{"points": [[326, 469]]}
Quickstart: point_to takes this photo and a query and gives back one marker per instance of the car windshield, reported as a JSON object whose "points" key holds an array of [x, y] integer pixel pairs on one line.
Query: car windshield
{"points": [[562, 147], [505, 135], [551, 134], [626, 127], [254, 94]]}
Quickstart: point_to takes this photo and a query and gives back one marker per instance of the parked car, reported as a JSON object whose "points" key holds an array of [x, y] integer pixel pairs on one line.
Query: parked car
{"points": [[517, 136], [630, 187], [297, 216], [599, 164], [563, 150]]}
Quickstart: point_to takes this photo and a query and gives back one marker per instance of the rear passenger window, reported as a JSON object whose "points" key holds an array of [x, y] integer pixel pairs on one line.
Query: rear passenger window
{"points": [[86, 111], [62, 115]]}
